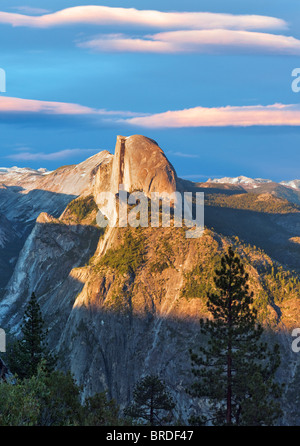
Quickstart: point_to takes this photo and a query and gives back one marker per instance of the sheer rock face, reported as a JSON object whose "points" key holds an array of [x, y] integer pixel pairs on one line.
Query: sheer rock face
{"points": [[138, 164]]}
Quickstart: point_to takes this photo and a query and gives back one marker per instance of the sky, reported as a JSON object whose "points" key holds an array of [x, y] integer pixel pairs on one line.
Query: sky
{"points": [[210, 81]]}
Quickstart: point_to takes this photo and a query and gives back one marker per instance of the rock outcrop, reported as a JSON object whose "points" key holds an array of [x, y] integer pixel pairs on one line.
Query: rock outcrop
{"points": [[139, 164]]}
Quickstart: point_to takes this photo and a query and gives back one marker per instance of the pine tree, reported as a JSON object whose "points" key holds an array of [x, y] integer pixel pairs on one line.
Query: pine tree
{"points": [[27, 353], [151, 401], [235, 371]]}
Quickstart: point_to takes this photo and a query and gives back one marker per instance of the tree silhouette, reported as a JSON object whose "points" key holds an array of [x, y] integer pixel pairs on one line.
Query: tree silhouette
{"points": [[26, 354]]}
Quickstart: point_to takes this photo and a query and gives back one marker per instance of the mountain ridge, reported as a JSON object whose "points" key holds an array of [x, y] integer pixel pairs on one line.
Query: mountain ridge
{"points": [[241, 179]]}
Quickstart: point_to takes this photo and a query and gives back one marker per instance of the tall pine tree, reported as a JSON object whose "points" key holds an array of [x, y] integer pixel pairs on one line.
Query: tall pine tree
{"points": [[26, 354], [235, 370]]}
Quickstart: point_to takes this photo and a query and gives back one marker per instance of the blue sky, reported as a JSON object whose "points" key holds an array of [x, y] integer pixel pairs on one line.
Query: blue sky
{"points": [[214, 91]]}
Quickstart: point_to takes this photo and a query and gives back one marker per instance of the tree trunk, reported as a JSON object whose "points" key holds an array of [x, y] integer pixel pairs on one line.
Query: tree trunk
{"points": [[229, 361], [229, 389]]}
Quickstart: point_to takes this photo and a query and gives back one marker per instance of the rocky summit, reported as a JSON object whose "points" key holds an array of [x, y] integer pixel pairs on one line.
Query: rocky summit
{"points": [[124, 302]]}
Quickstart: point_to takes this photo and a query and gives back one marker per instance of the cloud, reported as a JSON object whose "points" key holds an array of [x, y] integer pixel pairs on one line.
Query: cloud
{"points": [[182, 154], [122, 44], [10, 104], [26, 106], [197, 41], [54, 156], [30, 10], [243, 116], [105, 15], [196, 32]]}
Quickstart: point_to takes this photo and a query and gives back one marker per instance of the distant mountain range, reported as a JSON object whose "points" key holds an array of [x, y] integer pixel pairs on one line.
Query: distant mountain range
{"points": [[253, 182], [23, 170], [14, 172]]}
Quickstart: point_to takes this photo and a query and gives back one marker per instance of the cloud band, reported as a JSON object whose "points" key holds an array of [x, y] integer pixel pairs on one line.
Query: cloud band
{"points": [[105, 15]]}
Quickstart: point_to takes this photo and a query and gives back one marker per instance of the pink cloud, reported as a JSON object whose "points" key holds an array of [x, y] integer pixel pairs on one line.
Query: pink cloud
{"points": [[120, 43], [197, 41], [9, 104], [244, 116], [105, 15], [19, 105]]}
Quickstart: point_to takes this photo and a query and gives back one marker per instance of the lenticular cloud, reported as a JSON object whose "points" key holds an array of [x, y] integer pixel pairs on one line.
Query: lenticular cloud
{"points": [[104, 15], [244, 116]]}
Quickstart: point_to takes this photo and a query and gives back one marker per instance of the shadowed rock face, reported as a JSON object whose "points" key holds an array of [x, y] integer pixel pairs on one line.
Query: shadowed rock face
{"points": [[25, 193]]}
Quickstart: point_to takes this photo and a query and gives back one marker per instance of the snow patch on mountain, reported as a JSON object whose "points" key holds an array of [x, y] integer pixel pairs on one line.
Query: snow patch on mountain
{"points": [[241, 180], [252, 182], [23, 170], [295, 184]]}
